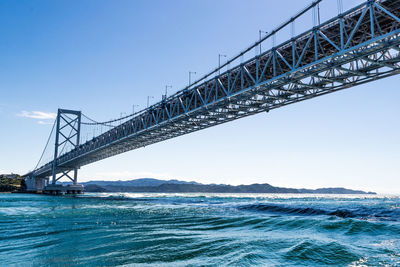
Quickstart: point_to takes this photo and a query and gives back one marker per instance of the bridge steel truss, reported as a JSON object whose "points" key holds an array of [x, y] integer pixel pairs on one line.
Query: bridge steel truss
{"points": [[358, 46]]}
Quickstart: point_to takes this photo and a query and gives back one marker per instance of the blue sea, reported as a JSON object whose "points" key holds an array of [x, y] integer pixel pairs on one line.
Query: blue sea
{"points": [[199, 230]]}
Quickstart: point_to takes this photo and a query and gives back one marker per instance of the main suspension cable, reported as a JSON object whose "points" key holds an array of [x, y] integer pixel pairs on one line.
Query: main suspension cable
{"points": [[47, 143], [105, 123]]}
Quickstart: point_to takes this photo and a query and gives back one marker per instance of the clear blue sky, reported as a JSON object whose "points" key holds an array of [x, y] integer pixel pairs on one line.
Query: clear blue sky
{"points": [[103, 56]]}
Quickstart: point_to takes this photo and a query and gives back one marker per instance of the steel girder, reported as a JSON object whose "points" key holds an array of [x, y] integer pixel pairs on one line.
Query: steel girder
{"points": [[358, 46]]}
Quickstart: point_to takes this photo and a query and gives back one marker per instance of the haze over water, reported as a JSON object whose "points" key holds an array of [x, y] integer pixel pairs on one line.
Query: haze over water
{"points": [[199, 229]]}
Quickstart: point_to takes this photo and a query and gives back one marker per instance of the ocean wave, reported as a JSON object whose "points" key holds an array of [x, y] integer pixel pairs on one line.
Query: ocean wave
{"points": [[375, 213], [321, 253], [134, 229]]}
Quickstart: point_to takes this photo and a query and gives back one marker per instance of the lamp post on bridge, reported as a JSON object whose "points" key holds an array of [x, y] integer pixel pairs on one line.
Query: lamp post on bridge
{"points": [[340, 6], [260, 32], [148, 100], [219, 63], [133, 108], [123, 114], [166, 91], [190, 76]]}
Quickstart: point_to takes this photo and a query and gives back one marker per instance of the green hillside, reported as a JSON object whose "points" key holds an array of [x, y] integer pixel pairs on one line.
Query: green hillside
{"points": [[11, 183]]}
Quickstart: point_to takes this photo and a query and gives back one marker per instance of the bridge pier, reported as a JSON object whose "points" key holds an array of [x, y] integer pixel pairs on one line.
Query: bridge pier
{"points": [[41, 185], [58, 189], [36, 184]]}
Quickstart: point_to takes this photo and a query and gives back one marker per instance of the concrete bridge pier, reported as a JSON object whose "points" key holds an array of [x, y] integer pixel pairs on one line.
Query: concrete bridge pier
{"points": [[36, 184], [58, 189], [41, 185]]}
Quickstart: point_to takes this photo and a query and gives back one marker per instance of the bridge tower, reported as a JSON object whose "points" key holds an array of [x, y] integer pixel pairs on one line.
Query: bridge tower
{"points": [[68, 129]]}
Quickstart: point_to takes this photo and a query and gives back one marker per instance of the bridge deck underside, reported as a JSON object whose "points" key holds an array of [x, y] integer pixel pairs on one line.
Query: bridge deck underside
{"points": [[359, 46]]}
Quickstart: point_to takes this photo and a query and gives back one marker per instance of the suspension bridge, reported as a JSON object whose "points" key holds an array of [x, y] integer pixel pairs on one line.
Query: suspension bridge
{"points": [[357, 46]]}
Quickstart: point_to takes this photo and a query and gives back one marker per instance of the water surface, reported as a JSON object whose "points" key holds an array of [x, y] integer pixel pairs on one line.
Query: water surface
{"points": [[199, 229]]}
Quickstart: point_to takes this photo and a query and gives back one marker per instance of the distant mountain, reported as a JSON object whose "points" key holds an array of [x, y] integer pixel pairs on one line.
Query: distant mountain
{"points": [[95, 188], [150, 185], [143, 182]]}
